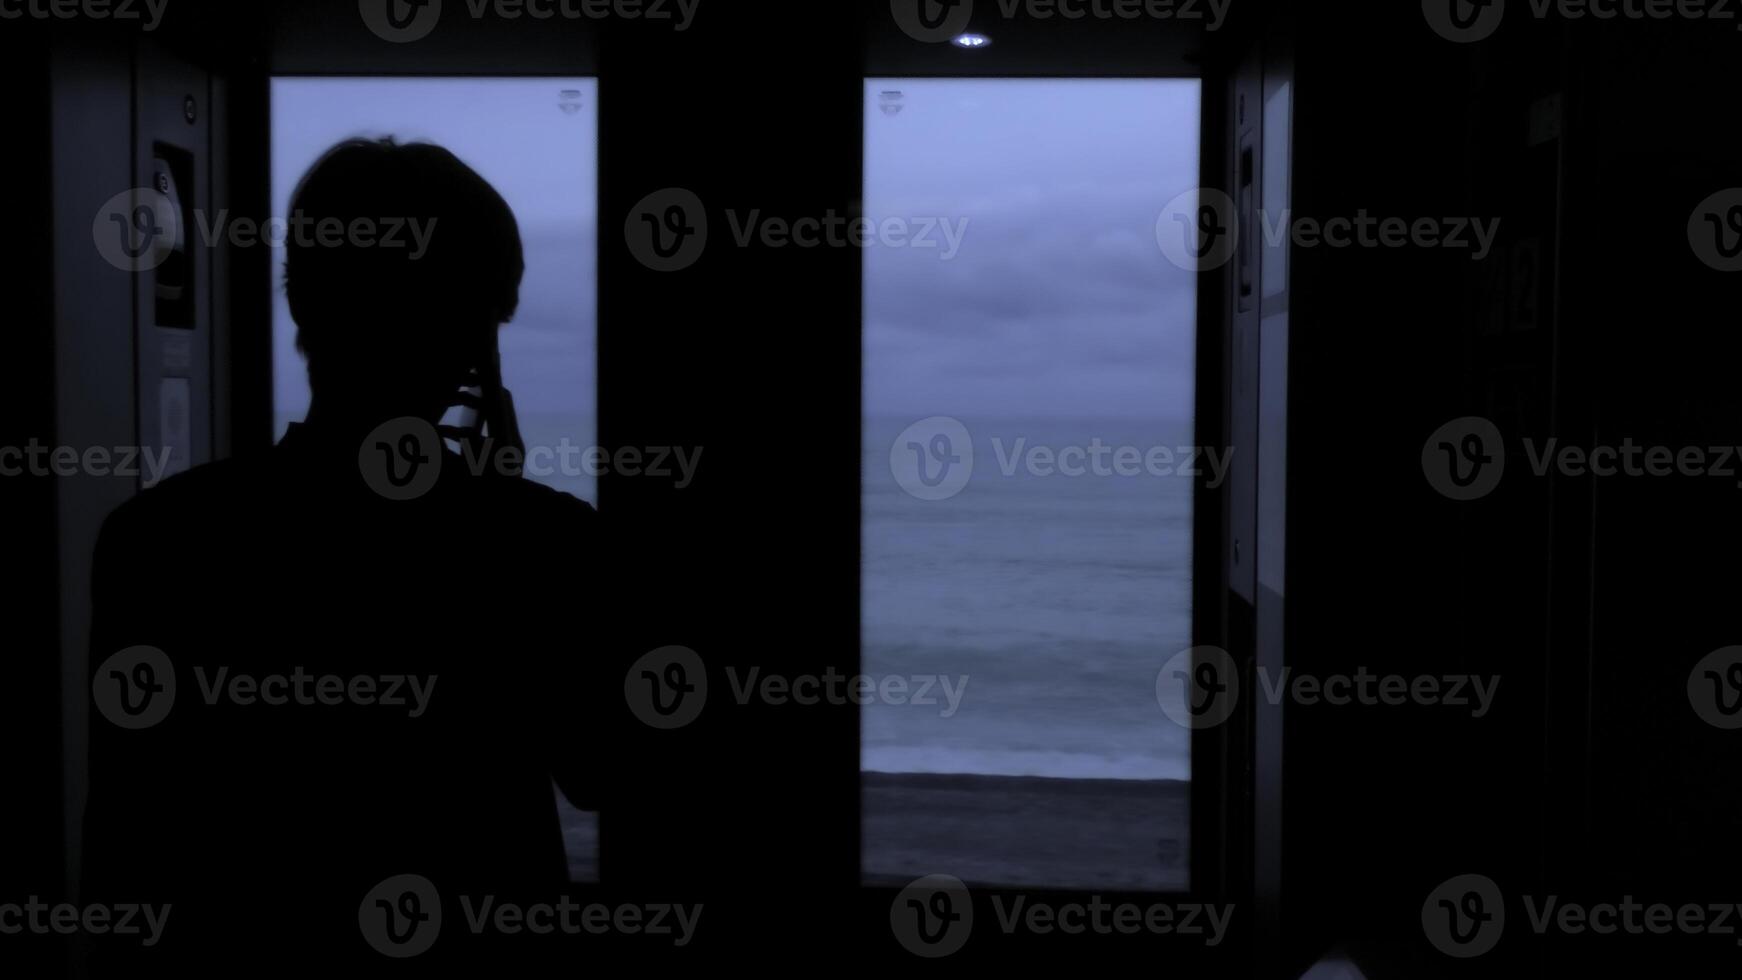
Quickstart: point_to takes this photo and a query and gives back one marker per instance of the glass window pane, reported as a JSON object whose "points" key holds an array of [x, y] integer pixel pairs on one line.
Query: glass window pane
{"points": [[536, 141], [1027, 499]]}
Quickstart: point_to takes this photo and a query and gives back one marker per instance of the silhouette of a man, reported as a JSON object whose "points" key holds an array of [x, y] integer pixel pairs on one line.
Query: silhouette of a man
{"points": [[377, 655]]}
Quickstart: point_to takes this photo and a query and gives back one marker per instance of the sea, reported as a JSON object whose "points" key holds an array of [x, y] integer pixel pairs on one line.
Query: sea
{"points": [[1053, 599]]}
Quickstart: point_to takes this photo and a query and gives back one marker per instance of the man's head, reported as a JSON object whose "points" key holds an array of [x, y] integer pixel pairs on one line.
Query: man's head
{"points": [[386, 318]]}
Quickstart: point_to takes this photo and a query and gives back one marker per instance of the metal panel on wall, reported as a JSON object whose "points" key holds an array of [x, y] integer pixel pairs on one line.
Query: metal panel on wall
{"points": [[173, 223]]}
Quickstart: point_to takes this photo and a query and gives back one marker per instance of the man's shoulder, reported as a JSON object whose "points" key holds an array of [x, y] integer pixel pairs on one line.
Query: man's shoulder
{"points": [[537, 500], [206, 493], [194, 490]]}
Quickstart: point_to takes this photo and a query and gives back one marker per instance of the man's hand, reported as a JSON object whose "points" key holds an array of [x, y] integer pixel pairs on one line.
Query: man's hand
{"points": [[496, 434]]}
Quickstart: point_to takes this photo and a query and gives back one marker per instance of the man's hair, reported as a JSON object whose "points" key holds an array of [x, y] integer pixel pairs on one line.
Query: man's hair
{"points": [[369, 297]]}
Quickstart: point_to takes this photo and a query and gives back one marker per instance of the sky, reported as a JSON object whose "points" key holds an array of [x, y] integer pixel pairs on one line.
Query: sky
{"points": [[1059, 303]]}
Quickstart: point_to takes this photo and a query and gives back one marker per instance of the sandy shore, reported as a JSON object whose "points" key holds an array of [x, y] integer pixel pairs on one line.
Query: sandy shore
{"points": [[1008, 830], [1022, 830]]}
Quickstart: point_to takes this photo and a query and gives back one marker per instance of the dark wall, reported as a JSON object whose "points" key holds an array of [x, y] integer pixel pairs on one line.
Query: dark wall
{"points": [[752, 355], [29, 603], [1590, 598]]}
